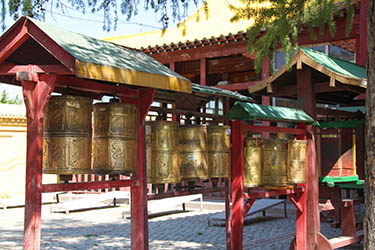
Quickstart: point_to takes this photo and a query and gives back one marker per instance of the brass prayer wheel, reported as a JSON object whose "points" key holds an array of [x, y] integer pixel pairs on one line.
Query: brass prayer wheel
{"points": [[193, 157], [275, 162], [67, 135], [297, 161], [253, 166], [148, 153], [219, 153], [164, 152], [115, 138]]}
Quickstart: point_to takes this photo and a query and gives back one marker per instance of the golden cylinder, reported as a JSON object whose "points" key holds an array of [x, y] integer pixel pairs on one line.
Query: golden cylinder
{"points": [[193, 157], [164, 152], [253, 167], [275, 162], [115, 138], [297, 150], [67, 135], [219, 153], [148, 153]]}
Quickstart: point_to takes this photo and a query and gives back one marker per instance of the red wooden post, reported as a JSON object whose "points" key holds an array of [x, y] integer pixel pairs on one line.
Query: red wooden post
{"points": [[364, 4], [237, 185], [227, 213], [306, 101], [36, 96], [139, 216], [266, 100], [203, 71]]}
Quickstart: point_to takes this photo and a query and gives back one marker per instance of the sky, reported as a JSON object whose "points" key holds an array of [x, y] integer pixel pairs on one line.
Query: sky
{"points": [[91, 25]]}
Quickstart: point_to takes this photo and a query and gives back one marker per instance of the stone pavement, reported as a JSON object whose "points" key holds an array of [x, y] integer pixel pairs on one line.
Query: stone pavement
{"points": [[106, 229]]}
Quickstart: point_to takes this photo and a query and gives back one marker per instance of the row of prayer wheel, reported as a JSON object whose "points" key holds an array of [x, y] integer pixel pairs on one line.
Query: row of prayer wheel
{"points": [[274, 162], [175, 153], [73, 146]]}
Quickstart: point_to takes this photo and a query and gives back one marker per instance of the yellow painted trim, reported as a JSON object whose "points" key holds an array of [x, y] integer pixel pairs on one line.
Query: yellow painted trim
{"points": [[131, 77], [354, 154]]}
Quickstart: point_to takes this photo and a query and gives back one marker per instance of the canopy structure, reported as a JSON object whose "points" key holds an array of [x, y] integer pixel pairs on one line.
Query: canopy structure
{"points": [[334, 80], [252, 111], [342, 124], [34, 42]]}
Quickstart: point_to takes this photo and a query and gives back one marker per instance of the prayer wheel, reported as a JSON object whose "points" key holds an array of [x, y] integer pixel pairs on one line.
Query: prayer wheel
{"points": [[297, 161], [193, 157], [219, 154], [275, 162], [67, 135], [164, 152], [253, 167], [115, 138], [148, 153]]}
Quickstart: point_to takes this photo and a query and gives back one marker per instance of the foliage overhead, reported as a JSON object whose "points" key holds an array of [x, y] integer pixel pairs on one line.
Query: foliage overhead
{"points": [[281, 22], [110, 9]]}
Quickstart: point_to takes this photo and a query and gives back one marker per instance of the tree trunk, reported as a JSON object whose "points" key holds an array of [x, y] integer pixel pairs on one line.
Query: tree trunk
{"points": [[369, 219]]}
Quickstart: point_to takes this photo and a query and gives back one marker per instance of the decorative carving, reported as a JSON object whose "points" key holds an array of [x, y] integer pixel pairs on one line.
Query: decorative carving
{"points": [[349, 44], [218, 145]]}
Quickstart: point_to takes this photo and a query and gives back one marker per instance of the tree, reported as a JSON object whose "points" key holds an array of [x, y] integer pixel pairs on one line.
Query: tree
{"points": [[164, 9], [4, 98]]}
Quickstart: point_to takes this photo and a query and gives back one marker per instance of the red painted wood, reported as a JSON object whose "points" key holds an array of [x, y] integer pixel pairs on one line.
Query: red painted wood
{"points": [[270, 193], [348, 227], [261, 129], [36, 96], [364, 4], [12, 40], [249, 203], [203, 71], [228, 227], [266, 100], [139, 217], [237, 86], [306, 101], [237, 185], [7, 68], [301, 220], [48, 188], [96, 87], [182, 193], [51, 46]]}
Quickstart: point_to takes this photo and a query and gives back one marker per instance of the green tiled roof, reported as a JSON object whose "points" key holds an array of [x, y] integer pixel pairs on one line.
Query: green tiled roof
{"points": [[219, 92], [252, 111]]}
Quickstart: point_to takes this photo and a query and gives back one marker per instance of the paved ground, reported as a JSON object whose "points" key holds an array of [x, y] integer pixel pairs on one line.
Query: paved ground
{"points": [[106, 229]]}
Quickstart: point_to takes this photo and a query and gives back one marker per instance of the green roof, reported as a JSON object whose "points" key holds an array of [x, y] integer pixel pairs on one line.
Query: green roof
{"points": [[252, 111], [219, 92], [342, 124], [92, 50], [336, 65]]}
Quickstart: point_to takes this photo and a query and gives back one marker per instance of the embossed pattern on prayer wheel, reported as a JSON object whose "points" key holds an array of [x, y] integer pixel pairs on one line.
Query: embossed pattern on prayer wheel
{"points": [[164, 152], [275, 162], [148, 153], [115, 138], [193, 157], [67, 135], [253, 167], [297, 161], [219, 154]]}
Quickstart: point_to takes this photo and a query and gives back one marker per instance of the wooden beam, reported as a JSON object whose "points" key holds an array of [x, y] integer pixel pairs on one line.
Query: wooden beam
{"points": [[339, 113], [263, 128], [51, 46], [9, 69], [95, 86], [49, 188], [203, 71], [237, 86], [12, 40]]}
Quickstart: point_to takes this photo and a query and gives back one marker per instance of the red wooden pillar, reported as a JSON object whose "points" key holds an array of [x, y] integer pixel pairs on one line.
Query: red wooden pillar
{"points": [[203, 71], [227, 214], [266, 100], [237, 185], [139, 216], [306, 101], [36, 92]]}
